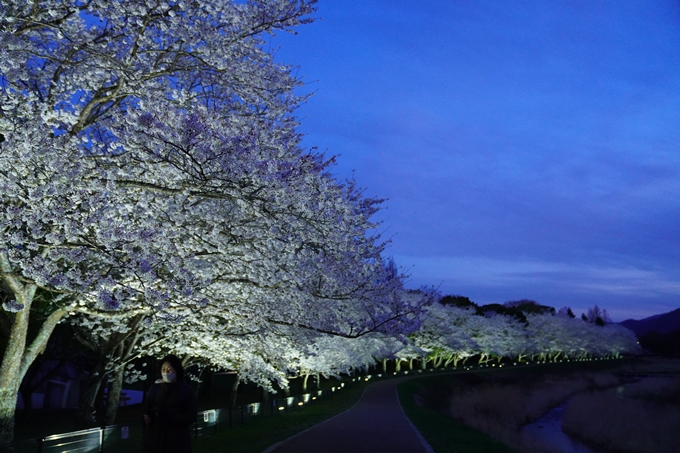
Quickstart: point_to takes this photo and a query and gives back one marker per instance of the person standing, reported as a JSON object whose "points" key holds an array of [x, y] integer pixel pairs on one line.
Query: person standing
{"points": [[170, 408]]}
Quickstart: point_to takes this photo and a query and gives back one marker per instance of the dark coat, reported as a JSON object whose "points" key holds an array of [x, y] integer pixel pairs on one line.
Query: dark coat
{"points": [[172, 408]]}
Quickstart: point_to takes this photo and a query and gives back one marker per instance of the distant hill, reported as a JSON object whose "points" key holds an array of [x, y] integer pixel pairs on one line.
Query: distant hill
{"points": [[663, 323]]}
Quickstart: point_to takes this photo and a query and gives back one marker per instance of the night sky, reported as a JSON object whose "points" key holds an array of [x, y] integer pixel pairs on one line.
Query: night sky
{"points": [[528, 150]]}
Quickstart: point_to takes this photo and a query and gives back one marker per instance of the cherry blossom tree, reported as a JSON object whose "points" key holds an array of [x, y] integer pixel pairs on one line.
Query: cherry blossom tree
{"points": [[147, 143], [443, 335], [563, 336], [506, 337]]}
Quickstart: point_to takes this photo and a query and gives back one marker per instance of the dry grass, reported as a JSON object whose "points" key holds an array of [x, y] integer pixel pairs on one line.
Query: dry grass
{"points": [[651, 364], [500, 410], [634, 419]]}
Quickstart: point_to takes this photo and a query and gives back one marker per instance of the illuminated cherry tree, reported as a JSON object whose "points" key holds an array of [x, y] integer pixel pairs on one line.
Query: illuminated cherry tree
{"points": [[449, 334], [150, 166], [443, 337], [563, 336]]}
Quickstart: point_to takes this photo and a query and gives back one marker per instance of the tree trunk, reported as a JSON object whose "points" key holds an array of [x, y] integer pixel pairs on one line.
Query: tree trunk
{"points": [[11, 372], [265, 395], [397, 365], [205, 383], [88, 398], [113, 397], [318, 380], [18, 356], [384, 365], [410, 364], [118, 347], [304, 383], [234, 392], [9, 392], [437, 361]]}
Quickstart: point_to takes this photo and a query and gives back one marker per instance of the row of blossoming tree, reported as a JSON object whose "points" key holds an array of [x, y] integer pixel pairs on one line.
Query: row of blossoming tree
{"points": [[154, 193], [450, 335]]}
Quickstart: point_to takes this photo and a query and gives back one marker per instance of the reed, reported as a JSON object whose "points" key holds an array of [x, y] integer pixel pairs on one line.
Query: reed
{"points": [[500, 410], [633, 419]]}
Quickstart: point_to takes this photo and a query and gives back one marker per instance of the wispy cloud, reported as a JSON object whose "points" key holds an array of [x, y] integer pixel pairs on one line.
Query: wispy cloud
{"points": [[536, 145]]}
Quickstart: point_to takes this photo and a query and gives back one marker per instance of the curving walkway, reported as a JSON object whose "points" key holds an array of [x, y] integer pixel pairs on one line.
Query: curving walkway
{"points": [[376, 423]]}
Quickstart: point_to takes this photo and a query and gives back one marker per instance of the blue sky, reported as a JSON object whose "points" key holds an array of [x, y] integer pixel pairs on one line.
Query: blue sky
{"points": [[527, 149]]}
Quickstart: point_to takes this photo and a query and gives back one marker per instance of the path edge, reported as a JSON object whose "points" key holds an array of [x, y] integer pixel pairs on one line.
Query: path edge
{"points": [[428, 448], [276, 445]]}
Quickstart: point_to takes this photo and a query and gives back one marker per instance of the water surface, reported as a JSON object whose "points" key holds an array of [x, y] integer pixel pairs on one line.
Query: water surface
{"points": [[547, 433]]}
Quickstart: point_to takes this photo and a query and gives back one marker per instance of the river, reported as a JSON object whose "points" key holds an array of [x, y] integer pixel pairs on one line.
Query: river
{"points": [[547, 433]]}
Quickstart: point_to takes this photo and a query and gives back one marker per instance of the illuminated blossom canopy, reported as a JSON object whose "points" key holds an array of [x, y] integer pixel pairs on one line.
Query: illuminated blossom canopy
{"points": [[150, 166]]}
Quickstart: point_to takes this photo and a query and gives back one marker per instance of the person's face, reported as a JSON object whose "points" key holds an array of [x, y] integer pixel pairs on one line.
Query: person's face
{"points": [[168, 370]]}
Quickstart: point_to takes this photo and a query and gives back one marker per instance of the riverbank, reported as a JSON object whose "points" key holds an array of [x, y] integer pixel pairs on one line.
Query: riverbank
{"points": [[638, 417], [499, 404]]}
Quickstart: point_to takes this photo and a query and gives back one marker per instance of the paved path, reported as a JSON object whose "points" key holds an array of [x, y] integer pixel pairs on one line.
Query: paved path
{"points": [[374, 424]]}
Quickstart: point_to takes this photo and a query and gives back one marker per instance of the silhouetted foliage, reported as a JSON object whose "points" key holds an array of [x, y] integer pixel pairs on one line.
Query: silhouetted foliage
{"points": [[599, 321], [458, 301], [596, 312], [584, 317], [517, 309], [528, 306], [566, 311], [514, 312]]}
